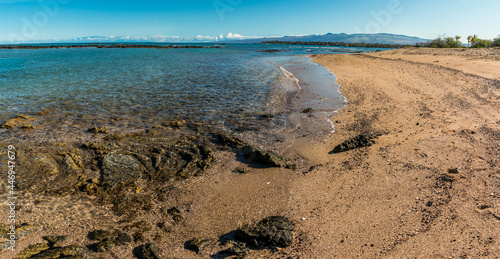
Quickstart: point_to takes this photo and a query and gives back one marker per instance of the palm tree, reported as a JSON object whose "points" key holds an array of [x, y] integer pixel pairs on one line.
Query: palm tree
{"points": [[469, 39], [474, 39]]}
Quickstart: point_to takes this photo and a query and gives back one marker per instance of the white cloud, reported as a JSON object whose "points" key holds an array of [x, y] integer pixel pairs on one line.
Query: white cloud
{"points": [[152, 38]]}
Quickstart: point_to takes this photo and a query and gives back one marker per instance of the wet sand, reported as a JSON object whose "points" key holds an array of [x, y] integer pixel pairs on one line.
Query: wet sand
{"points": [[427, 188]]}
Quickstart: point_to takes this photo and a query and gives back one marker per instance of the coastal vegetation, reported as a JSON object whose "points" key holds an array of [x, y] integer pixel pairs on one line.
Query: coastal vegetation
{"points": [[473, 41]]}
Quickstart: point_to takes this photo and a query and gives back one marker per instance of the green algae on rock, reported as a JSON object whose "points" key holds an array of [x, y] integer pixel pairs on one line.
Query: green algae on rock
{"points": [[32, 250], [15, 122], [65, 252], [55, 241]]}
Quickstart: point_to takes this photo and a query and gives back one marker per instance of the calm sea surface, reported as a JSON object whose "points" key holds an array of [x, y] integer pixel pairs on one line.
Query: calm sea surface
{"points": [[230, 86]]}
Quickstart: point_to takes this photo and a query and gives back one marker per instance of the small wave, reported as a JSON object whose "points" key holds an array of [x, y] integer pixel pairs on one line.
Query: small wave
{"points": [[285, 89]]}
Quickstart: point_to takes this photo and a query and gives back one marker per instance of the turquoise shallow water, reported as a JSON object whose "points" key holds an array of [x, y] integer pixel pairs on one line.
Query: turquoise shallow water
{"points": [[229, 86]]}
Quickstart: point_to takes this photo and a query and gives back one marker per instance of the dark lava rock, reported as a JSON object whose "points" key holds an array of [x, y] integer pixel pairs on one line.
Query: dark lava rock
{"points": [[240, 170], [98, 130], [363, 140], [147, 251], [123, 238], [21, 230], [267, 158], [308, 110], [105, 245], [65, 252], [198, 244], [99, 235], [120, 169], [271, 231], [238, 248], [55, 241], [176, 214], [231, 141], [272, 50]]}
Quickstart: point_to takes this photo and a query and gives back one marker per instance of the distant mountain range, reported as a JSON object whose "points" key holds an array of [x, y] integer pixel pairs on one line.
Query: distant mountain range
{"points": [[383, 38]]}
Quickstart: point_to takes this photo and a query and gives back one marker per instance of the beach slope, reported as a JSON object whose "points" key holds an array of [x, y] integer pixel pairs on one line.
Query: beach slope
{"points": [[429, 186]]}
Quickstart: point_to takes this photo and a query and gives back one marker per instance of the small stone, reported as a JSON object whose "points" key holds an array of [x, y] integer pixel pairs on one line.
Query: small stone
{"points": [[148, 251], [359, 141], [99, 235], [105, 245], [253, 154], [55, 241], [176, 214], [27, 127], [271, 231], [123, 238], [98, 130], [176, 124], [241, 170], [238, 248], [308, 110], [198, 244]]}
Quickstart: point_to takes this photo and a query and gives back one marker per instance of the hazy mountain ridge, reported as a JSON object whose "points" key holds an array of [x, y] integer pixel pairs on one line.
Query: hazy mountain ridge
{"points": [[384, 38]]}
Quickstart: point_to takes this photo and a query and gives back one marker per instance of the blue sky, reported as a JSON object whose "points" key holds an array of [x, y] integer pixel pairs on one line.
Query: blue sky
{"points": [[66, 19]]}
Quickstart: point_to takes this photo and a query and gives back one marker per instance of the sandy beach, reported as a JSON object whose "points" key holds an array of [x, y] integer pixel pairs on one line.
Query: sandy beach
{"points": [[429, 186]]}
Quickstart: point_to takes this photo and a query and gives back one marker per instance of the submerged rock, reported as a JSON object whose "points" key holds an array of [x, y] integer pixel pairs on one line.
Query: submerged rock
{"points": [[20, 119], [98, 130], [231, 141], [120, 169], [359, 141], [147, 251], [271, 231], [45, 164]]}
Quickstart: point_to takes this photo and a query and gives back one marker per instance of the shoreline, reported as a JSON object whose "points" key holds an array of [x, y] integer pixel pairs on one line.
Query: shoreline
{"points": [[427, 187]]}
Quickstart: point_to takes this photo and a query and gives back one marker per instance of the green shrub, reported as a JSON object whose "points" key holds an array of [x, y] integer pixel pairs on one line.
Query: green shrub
{"points": [[496, 42], [480, 43], [448, 42]]}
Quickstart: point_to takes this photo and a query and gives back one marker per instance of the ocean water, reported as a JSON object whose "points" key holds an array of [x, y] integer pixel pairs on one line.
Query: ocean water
{"points": [[233, 87]]}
